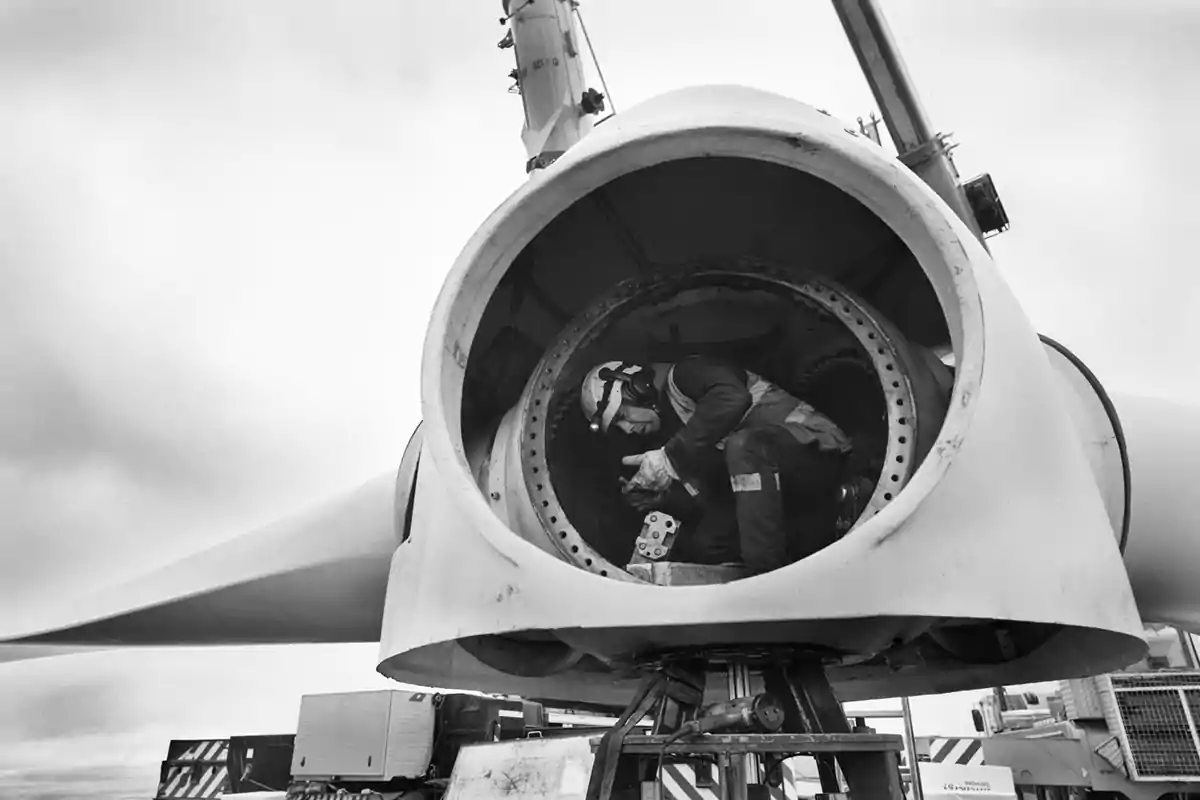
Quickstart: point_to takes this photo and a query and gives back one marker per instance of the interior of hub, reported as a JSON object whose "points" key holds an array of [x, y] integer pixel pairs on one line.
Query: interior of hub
{"points": [[760, 264], [809, 337], [759, 330]]}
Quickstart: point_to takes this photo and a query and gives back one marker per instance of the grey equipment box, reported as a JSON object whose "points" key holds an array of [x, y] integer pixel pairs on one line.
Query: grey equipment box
{"points": [[366, 736]]}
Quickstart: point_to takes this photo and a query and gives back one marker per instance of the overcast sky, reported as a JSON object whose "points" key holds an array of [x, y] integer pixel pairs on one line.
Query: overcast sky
{"points": [[223, 224]]}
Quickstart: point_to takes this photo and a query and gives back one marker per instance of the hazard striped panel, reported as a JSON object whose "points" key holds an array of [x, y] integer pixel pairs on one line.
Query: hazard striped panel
{"points": [[194, 769], [956, 751]]}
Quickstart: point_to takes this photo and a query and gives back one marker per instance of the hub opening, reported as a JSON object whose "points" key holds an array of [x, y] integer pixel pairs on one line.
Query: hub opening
{"points": [[757, 263]]}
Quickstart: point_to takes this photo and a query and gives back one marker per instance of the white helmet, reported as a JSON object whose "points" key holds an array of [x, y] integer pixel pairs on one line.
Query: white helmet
{"points": [[601, 393]]}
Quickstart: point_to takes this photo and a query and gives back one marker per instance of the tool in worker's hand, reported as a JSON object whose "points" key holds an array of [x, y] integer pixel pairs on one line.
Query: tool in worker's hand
{"points": [[658, 535], [643, 500], [762, 713]]}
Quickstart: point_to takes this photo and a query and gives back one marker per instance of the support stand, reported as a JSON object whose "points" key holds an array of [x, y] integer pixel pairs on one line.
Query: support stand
{"points": [[746, 770], [676, 691], [810, 706], [813, 723]]}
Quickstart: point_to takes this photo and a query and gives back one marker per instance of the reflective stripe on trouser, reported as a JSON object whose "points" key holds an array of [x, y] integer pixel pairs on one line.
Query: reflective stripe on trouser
{"points": [[763, 462], [754, 457], [761, 532], [754, 481]]}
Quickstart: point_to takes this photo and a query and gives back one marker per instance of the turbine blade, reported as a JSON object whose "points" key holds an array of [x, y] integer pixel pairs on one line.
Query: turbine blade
{"points": [[316, 577], [28, 652]]}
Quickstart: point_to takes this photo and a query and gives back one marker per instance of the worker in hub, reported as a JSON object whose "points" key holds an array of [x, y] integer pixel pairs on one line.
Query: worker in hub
{"points": [[782, 459]]}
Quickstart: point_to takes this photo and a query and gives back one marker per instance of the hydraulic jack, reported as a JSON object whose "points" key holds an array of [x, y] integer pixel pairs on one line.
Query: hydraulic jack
{"points": [[749, 737]]}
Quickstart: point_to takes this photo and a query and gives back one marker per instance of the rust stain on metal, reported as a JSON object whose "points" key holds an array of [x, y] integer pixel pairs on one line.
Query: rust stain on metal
{"points": [[458, 353], [802, 143], [512, 784], [520, 780], [947, 448]]}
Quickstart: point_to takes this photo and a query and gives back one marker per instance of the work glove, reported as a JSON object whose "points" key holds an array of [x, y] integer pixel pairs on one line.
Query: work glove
{"points": [[655, 471]]}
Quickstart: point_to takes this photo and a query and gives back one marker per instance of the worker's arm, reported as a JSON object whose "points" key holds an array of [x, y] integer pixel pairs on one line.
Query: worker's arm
{"points": [[722, 400]]}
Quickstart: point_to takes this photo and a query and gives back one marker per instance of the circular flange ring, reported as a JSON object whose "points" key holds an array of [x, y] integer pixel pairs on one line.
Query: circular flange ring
{"points": [[863, 323]]}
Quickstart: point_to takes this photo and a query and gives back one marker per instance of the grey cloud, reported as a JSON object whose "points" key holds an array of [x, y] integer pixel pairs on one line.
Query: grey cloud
{"points": [[66, 782], [80, 708], [124, 435], [224, 43], [66, 721], [56, 422], [119, 435], [50, 31]]}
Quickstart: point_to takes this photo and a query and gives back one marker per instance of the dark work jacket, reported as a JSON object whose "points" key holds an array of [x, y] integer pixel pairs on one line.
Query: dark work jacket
{"points": [[713, 399]]}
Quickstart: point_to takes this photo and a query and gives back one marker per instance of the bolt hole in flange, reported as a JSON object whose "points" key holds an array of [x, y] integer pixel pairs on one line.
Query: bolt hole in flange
{"points": [[807, 334]]}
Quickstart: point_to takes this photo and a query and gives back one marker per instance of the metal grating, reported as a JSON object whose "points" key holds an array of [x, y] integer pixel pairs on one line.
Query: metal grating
{"points": [[1155, 680], [1156, 715]]}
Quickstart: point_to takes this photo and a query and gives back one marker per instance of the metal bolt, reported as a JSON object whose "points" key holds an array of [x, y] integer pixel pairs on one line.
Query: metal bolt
{"points": [[654, 517], [654, 534], [658, 551], [495, 495]]}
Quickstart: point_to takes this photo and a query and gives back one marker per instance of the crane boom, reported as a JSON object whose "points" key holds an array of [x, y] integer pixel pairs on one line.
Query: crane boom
{"points": [[549, 75], [919, 148]]}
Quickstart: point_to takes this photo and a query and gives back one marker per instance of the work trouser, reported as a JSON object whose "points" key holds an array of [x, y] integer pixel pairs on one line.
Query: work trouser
{"points": [[769, 521], [783, 495], [709, 532]]}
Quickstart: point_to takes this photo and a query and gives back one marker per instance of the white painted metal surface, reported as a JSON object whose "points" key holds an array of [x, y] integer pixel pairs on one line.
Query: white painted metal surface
{"points": [[953, 781], [1096, 434], [1005, 474], [364, 735], [555, 768]]}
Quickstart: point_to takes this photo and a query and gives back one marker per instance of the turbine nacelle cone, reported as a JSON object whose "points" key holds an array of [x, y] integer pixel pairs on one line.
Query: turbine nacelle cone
{"points": [[996, 560], [762, 203]]}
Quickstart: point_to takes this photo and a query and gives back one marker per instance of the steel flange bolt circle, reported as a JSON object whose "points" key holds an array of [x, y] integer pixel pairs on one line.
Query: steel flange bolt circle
{"points": [[554, 387]]}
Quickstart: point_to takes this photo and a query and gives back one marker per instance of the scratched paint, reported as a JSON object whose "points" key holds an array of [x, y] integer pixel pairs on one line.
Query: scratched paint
{"points": [[538, 769]]}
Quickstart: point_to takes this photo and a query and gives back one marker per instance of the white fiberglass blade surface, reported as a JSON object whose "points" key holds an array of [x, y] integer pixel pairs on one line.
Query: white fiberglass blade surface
{"points": [[316, 577]]}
